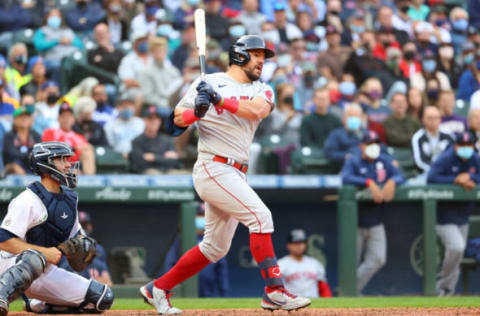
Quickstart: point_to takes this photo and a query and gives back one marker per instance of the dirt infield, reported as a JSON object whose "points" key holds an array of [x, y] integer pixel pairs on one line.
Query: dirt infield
{"points": [[401, 311]]}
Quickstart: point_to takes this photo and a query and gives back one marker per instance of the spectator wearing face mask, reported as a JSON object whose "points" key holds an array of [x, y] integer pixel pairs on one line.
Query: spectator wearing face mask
{"points": [[55, 40], [423, 38], [409, 64], [123, 129], [347, 89], [399, 128], [316, 126], [459, 20], [447, 65], [15, 73], [342, 141], [469, 81], [371, 100], [451, 123], [84, 16], [46, 109], [84, 123], [430, 70]]}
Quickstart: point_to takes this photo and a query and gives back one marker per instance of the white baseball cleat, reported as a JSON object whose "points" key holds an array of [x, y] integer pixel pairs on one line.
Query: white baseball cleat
{"points": [[158, 298], [282, 299]]}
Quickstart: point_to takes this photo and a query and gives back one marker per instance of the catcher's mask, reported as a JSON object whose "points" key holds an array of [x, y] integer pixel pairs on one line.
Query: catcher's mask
{"points": [[41, 162]]}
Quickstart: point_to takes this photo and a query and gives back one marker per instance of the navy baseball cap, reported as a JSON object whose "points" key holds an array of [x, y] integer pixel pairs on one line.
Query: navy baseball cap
{"points": [[464, 138], [150, 111], [370, 137], [297, 235], [65, 107]]}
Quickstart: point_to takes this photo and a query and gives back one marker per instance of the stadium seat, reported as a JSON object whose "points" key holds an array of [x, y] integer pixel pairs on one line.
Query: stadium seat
{"points": [[310, 160], [404, 156], [269, 159], [470, 264], [461, 108], [109, 161]]}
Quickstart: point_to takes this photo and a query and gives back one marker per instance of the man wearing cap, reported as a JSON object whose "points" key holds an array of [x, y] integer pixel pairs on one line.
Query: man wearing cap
{"points": [[459, 165], [18, 143], [374, 171], [159, 78], [153, 152], [303, 274], [123, 129], [147, 20], [83, 150]]}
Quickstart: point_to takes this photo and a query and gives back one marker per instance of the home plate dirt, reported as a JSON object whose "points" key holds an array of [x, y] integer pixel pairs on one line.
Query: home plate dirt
{"points": [[401, 311]]}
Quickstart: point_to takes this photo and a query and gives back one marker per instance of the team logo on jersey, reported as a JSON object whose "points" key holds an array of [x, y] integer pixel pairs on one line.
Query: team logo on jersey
{"points": [[64, 216], [269, 94]]}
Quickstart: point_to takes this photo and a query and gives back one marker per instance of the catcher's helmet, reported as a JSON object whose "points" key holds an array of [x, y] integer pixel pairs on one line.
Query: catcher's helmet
{"points": [[238, 52], [41, 162]]}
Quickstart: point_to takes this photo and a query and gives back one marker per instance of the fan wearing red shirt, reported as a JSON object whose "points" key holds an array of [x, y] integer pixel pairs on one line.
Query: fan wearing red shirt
{"points": [[83, 150]]}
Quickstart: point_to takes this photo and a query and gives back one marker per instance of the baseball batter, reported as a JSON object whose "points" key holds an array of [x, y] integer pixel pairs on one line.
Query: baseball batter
{"points": [[38, 220], [228, 107]]}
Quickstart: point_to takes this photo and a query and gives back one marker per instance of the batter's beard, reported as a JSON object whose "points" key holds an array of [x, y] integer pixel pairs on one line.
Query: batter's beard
{"points": [[250, 75]]}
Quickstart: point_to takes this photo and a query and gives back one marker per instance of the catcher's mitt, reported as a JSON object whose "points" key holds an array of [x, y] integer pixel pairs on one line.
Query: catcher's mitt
{"points": [[79, 251]]}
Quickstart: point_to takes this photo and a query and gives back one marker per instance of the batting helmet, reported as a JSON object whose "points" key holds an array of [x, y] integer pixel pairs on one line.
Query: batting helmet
{"points": [[238, 53], [41, 162]]}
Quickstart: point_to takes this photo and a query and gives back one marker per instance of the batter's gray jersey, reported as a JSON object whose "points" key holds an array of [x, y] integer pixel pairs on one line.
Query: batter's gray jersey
{"points": [[227, 134]]}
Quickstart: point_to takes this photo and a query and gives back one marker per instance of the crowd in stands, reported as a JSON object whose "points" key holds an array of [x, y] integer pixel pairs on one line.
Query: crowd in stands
{"points": [[407, 69]]}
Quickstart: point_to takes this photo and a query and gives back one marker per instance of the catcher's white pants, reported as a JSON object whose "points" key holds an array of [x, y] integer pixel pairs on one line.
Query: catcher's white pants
{"points": [[228, 200], [454, 238], [373, 243], [55, 286]]}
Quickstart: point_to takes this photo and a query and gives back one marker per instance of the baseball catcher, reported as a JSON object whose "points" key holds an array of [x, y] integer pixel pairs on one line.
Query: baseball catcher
{"points": [[41, 225]]}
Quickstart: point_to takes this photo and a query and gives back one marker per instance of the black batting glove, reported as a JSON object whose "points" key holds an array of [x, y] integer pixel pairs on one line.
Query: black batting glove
{"points": [[202, 103], [214, 97]]}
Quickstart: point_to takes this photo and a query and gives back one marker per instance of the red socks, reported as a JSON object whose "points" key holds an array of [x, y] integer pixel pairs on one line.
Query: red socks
{"points": [[192, 262], [262, 250]]}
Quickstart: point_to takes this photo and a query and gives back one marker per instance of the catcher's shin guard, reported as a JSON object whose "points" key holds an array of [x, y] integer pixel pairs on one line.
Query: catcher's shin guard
{"points": [[98, 298], [18, 278]]}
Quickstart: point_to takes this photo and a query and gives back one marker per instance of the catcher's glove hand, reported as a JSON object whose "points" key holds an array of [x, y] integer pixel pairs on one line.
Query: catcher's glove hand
{"points": [[80, 251]]}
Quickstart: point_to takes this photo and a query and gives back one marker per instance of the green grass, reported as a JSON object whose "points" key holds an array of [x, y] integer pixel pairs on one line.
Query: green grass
{"points": [[358, 302]]}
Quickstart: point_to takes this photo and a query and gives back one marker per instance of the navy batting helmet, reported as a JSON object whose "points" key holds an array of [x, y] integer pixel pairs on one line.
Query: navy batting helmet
{"points": [[41, 162], [238, 53]]}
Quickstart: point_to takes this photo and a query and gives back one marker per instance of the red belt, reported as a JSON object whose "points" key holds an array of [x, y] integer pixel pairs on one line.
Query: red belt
{"points": [[229, 161]]}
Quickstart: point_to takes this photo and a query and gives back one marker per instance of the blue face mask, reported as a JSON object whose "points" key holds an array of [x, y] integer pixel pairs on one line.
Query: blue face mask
{"points": [[150, 11], [347, 88], [354, 123], [164, 30], [237, 31], [468, 59], [142, 47], [460, 25], [200, 222], [54, 21], [357, 28], [429, 65], [125, 114], [193, 2], [465, 152]]}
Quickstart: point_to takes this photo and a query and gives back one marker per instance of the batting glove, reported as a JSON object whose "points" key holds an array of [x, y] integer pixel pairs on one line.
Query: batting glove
{"points": [[202, 103], [214, 97]]}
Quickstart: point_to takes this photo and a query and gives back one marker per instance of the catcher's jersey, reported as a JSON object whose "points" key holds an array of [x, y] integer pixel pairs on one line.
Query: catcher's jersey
{"points": [[227, 134], [25, 212], [301, 277]]}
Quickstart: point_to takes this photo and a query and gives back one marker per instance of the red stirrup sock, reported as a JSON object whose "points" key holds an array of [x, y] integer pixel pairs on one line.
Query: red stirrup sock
{"points": [[192, 262], [262, 250]]}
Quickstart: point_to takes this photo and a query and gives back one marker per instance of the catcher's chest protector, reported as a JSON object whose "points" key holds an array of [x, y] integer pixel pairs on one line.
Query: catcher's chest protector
{"points": [[62, 214]]}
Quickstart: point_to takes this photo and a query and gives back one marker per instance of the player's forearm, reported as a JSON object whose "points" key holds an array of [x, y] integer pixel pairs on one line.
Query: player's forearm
{"points": [[16, 246], [253, 109]]}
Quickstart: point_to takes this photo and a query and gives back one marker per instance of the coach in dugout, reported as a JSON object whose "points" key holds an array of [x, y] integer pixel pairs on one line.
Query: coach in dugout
{"points": [[460, 165], [374, 170]]}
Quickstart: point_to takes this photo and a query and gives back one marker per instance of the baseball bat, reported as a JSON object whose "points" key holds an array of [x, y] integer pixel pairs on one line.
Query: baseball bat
{"points": [[200, 36]]}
